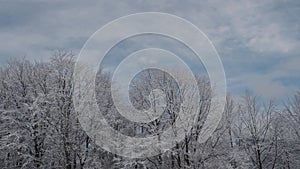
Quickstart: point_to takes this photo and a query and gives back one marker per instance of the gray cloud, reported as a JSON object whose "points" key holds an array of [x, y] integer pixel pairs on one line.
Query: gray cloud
{"points": [[257, 40]]}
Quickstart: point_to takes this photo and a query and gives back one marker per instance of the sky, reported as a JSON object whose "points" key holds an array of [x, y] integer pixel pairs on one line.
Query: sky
{"points": [[258, 41]]}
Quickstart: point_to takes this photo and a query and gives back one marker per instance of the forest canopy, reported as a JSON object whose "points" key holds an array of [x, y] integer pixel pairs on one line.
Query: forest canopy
{"points": [[39, 127]]}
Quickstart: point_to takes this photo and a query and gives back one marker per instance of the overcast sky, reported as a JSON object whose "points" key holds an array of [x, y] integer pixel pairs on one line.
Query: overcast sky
{"points": [[258, 41]]}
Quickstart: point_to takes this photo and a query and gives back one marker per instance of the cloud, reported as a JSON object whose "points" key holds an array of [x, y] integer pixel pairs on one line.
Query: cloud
{"points": [[257, 40], [260, 25], [264, 85]]}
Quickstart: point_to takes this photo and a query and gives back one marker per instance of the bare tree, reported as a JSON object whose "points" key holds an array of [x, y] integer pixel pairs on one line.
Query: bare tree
{"points": [[255, 119], [39, 127]]}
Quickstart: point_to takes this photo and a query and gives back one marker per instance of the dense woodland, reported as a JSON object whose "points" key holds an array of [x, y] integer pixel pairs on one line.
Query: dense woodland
{"points": [[39, 127]]}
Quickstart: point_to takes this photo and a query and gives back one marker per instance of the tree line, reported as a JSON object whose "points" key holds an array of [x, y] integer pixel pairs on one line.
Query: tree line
{"points": [[39, 127]]}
